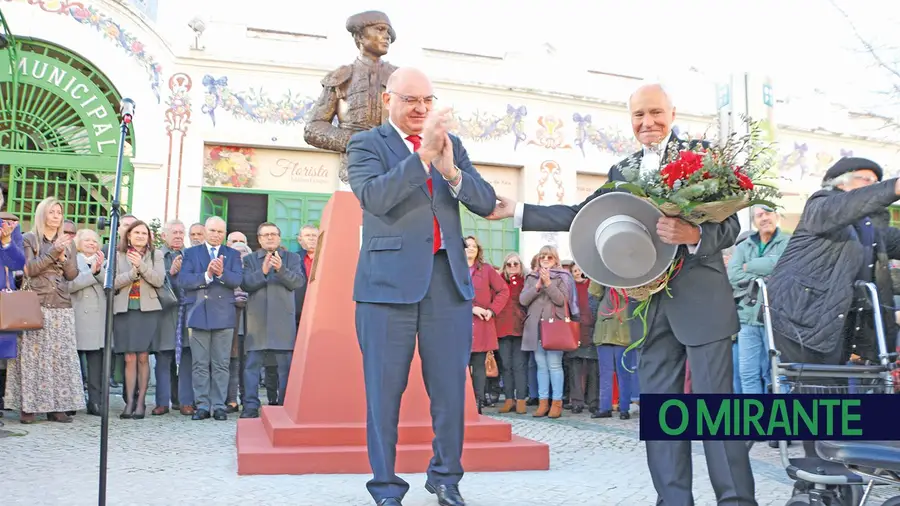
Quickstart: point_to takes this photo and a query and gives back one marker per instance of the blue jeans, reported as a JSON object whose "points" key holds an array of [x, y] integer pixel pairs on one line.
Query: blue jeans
{"points": [[735, 359], [532, 376], [609, 357], [753, 358], [549, 373]]}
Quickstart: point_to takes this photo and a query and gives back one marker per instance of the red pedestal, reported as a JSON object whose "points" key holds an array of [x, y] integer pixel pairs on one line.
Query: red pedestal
{"points": [[321, 429]]}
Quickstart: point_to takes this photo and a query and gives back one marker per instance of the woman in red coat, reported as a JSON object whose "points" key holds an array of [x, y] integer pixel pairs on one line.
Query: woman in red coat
{"points": [[491, 295], [513, 361]]}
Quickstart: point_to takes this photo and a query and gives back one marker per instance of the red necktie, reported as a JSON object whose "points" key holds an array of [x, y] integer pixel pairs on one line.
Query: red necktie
{"points": [[416, 141]]}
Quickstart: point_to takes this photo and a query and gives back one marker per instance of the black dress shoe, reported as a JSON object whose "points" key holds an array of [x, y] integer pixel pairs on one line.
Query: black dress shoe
{"points": [[200, 414], [220, 415], [602, 414], [447, 495], [390, 501], [250, 413], [577, 409], [624, 416]]}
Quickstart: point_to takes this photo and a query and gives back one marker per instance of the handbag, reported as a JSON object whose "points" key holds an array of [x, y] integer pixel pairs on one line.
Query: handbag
{"points": [[166, 295], [490, 365], [19, 310], [560, 335]]}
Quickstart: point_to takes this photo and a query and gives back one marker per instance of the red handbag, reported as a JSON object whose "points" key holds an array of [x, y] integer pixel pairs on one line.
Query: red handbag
{"points": [[560, 335]]}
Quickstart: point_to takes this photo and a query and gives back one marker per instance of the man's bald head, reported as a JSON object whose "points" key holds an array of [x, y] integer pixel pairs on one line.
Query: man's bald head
{"points": [[409, 98], [652, 113]]}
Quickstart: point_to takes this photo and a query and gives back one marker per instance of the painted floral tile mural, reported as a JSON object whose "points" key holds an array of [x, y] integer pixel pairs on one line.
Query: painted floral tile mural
{"points": [[230, 167], [550, 134], [606, 138], [108, 28], [254, 104], [482, 126]]}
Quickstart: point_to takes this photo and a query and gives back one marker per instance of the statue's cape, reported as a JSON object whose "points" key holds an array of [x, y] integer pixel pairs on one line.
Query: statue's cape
{"points": [[338, 76]]}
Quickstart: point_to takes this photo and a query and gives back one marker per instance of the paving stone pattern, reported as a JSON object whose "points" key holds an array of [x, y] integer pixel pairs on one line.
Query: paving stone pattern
{"points": [[172, 460]]}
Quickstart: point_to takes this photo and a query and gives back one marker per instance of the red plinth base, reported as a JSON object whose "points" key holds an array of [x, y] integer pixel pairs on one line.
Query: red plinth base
{"points": [[321, 429]]}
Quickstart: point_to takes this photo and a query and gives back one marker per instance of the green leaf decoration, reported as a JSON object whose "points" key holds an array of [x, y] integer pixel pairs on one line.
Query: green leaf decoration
{"points": [[629, 187]]}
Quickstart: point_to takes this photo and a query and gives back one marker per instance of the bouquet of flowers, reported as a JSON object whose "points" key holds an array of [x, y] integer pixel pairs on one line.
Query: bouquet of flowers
{"points": [[707, 182]]}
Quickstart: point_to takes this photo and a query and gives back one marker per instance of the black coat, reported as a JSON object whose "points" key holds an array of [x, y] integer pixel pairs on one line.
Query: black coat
{"points": [[812, 290]]}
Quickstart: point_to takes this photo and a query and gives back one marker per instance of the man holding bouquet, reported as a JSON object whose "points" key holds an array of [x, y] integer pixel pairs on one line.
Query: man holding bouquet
{"points": [[694, 324]]}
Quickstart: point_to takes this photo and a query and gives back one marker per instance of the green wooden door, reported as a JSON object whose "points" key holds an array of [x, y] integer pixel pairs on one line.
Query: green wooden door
{"points": [[497, 238], [213, 204], [291, 211]]}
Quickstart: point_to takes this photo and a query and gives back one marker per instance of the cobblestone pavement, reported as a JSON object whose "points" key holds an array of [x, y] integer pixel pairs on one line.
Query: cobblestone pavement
{"points": [[172, 460]]}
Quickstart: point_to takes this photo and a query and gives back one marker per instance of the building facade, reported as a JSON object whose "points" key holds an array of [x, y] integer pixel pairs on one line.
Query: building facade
{"points": [[219, 120]]}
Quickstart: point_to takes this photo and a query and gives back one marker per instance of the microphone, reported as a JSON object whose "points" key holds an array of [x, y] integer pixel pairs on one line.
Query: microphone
{"points": [[126, 108]]}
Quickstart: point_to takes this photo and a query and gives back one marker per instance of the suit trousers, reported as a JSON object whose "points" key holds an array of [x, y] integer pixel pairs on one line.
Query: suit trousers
{"points": [[253, 365], [387, 337], [583, 379], [94, 361], [211, 353], [661, 370]]}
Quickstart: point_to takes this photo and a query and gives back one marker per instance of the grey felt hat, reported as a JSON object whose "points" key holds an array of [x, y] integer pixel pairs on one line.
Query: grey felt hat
{"points": [[613, 239]]}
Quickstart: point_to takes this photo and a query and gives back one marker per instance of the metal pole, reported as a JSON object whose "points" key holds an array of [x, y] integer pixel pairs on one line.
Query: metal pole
{"points": [[127, 109]]}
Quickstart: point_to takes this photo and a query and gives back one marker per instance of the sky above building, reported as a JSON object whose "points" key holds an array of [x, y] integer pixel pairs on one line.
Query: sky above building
{"points": [[804, 45]]}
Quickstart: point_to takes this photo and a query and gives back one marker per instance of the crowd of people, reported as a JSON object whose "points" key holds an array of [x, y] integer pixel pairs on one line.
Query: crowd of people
{"points": [[217, 318], [211, 360]]}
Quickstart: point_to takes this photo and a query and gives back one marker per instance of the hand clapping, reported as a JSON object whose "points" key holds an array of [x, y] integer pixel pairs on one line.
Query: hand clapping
{"points": [[135, 258], [276, 261], [436, 144], [545, 276], [6, 229], [98, 263], [218, 266], [176, 266]]}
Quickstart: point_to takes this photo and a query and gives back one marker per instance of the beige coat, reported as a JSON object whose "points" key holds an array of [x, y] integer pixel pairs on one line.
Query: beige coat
{"points": [[152, 273], [89, 303]]}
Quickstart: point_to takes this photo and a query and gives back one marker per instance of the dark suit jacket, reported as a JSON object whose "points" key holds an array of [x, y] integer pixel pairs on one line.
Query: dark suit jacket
{"points": [[701, 309], [209, 307], [396, 257]]}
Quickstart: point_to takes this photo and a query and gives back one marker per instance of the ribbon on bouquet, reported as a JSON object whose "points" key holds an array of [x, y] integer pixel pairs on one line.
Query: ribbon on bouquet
{"points": [[640, 312]]}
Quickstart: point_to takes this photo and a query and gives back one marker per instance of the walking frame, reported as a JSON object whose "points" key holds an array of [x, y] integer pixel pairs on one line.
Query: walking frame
{"points": [[843, 473]]}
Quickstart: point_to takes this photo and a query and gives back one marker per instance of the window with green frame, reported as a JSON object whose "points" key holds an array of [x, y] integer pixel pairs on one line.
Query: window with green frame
{"points": [[497, 238]]}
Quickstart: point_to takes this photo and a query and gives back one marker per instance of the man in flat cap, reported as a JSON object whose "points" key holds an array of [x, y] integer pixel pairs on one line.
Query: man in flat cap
{"points": [[352, 92]]}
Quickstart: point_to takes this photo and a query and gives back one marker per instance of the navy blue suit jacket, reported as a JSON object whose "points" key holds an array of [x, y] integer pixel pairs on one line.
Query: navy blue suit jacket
{"points": [[209, 306], [397, 257]]}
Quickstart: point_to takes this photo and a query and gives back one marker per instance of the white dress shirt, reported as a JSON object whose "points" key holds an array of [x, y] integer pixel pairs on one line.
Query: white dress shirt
{"points": [[651, 160], [454, 190]]}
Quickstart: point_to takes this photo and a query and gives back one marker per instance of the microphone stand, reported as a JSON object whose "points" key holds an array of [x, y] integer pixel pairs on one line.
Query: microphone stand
{"points": [[127, 110]]}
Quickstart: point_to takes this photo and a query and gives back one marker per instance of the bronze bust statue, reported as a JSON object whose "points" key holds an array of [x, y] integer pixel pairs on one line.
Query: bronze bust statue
{"points": [[352, 93]]}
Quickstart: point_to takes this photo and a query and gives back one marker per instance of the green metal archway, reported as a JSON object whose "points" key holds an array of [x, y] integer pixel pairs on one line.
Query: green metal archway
{"points": [[59, 133]]}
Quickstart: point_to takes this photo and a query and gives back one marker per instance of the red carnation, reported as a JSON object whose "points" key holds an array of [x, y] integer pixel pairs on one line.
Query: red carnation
{"points": [[744, 182], [687, 163]]}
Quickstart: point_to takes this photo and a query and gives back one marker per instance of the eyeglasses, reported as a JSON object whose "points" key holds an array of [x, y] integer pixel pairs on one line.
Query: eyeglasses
{"points": [[867, 179], [410, 100], [69, 233], [512, 264], [548, 257]]}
